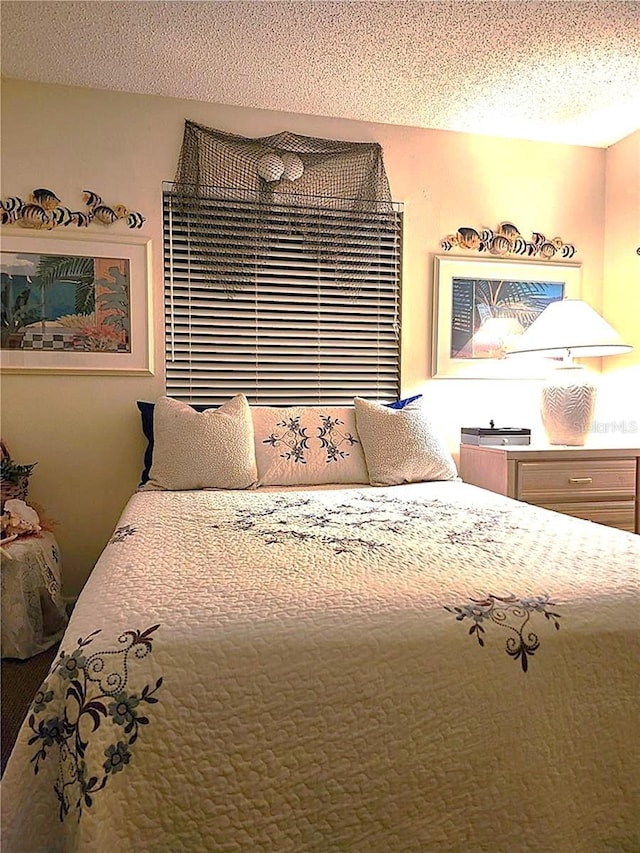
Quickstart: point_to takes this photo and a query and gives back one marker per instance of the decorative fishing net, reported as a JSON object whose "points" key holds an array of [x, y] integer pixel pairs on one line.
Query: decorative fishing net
{"points": [[266, 193], [285, 163]]}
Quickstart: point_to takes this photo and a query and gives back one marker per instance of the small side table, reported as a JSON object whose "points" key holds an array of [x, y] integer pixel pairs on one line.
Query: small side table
{"points": [[33, 610]]}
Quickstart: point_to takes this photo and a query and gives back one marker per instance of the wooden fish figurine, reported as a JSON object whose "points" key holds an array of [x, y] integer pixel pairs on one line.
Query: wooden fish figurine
{"points": [[8, 217], [568, 251], [46, 199], [10, 210], [81, 219], [91, 199], [500, 245], [108, 215], [136, 220], [35, 216], [12, 204], [508, 230], [468, 238], [547, 249], [61, 216]]}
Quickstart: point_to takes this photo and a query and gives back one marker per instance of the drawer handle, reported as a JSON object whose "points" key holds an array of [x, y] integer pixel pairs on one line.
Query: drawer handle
{"points": [[581, 480]]}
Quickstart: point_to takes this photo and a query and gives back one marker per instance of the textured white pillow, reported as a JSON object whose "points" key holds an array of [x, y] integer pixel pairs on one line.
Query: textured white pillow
{"points": [[202, 450], [400, 445], [307, 446]]}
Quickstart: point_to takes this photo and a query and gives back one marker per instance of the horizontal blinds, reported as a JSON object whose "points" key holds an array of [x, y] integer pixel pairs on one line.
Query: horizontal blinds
{"points": [[285, 303]]}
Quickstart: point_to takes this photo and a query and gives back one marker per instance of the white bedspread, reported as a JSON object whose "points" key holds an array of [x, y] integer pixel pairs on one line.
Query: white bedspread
{"points": [[417, 668]]}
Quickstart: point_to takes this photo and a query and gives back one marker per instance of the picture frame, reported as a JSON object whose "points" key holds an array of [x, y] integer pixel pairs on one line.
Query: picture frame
{"points": [[469, 291], [76, 305]]}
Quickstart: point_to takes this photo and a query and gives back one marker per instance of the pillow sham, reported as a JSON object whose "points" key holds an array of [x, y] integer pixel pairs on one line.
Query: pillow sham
{"points": [[146, 416], [213, 449], [307, 446], [401, 445]]}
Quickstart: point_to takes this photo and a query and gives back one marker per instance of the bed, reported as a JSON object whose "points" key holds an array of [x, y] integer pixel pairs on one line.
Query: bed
{"points": [[342, 667]]}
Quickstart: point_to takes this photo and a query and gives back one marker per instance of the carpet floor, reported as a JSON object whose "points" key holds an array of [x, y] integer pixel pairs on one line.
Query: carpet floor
{"points": [[20, 682]]}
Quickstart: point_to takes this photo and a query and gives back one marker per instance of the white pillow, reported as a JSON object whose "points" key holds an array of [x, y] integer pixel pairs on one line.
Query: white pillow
{"points": [[202, 450], [307, 446], [400, 445]]}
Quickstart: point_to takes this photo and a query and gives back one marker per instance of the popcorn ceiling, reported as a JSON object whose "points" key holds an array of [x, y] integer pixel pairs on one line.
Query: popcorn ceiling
{"points": [[557, 71]]}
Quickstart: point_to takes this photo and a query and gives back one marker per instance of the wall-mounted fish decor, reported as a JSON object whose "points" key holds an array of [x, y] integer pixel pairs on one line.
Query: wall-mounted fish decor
{"points": [[44, 210], [507, 240], [10, 210]]}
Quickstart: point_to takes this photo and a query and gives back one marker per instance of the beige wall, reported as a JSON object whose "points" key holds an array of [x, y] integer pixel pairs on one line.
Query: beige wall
{"points": [[84, 430], [621, 292]]}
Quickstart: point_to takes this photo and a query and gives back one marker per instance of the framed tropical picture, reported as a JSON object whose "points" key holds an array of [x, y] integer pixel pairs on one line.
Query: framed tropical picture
{"points": [[481, 305], [75, 305]]}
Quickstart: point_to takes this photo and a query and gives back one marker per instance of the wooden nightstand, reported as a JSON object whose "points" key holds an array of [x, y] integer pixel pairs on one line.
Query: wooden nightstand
{"points": [[597, 483]]}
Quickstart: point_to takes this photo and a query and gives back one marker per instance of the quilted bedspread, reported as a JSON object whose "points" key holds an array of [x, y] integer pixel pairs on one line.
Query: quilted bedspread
{"points": [[416, 668]]}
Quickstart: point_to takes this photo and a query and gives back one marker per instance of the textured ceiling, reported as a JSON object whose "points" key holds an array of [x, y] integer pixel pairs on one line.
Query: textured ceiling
{"points": [[557, 71]]}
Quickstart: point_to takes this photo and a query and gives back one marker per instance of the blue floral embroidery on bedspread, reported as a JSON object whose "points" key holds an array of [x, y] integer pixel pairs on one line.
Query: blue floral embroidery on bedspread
{"points": [[375, 519], [83, 691], [511, 613], [121, 533]]}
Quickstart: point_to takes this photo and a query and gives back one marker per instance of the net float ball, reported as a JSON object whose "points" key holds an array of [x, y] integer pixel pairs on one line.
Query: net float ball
{"points": [[270, 167], [293, 167]]}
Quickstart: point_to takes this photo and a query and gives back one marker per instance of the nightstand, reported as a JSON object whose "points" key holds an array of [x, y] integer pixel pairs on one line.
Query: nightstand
{"points": [[600, 484]]}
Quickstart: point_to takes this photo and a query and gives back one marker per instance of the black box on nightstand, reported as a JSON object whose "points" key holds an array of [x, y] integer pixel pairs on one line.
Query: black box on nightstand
{"points": [[495, 435]]}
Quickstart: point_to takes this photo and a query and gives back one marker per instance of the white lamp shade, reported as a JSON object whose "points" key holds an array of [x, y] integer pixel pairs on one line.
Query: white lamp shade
{"points": [[569, 327]]}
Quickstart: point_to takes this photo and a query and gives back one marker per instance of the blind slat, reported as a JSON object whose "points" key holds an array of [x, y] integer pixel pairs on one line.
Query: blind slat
{"points": [[287, 304]]}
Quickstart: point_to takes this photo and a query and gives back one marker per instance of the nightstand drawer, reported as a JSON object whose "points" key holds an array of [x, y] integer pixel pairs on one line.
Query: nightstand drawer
{"points": [[599, 484], [619, 514], [576, 480]]}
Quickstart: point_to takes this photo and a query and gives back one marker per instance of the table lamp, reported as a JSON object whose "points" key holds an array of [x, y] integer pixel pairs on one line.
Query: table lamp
{"points": [[566, 329]]}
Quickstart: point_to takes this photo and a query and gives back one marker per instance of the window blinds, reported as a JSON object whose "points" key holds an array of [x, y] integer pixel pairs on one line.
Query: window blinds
{"points": [[291, 304]]}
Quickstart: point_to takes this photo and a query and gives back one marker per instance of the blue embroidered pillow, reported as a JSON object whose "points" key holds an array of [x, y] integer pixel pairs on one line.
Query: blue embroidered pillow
{"points": [[307, 446]]}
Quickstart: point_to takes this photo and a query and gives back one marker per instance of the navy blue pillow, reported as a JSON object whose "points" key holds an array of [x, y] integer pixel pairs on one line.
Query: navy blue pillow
{"points": [[400, 404], [146, 413]]}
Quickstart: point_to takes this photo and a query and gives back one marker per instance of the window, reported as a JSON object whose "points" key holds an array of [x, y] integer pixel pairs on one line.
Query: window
{"points": [[288, 303]]}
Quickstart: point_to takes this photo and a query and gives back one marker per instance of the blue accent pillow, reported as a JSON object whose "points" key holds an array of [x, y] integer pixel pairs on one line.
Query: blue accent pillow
{"points": [[400, 404]]}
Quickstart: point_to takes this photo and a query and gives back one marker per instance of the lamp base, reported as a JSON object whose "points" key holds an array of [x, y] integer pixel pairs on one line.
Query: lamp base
{"points": [[568, 405]]}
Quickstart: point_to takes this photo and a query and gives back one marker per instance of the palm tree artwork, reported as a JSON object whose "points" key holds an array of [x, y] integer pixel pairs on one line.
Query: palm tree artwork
{"points": [[73, 303], [488, 313]]}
